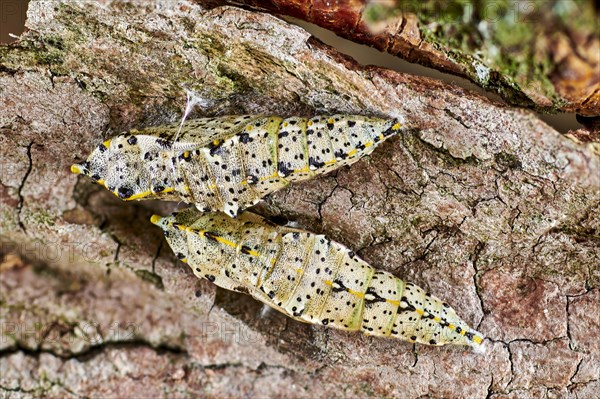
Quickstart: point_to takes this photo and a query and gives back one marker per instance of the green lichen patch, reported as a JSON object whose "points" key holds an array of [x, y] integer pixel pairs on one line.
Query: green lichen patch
{"points": [[507, 160], [150, 277], [505, 46], [35, 52]]}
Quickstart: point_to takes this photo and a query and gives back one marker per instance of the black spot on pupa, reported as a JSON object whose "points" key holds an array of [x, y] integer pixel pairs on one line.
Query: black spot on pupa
{"points": [[210, 235], [338, 286], [164, 144], [373, 296], [340, 154], [132, 140], [313, 162], [251, 179], [215, 147], [125, 192], [389, 132], [186, 156], [283, 169]]}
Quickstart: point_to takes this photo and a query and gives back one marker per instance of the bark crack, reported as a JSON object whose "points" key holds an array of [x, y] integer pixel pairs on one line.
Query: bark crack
{"points": [[93, 351], [20, 189], [475, 259]]}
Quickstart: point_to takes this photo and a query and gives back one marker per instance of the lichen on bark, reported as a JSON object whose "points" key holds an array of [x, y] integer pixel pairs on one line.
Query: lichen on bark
{"points": [[538, 54]]}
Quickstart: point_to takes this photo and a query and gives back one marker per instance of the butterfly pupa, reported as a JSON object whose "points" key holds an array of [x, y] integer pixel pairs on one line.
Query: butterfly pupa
{"points": [[310, 278], [229, 163]]}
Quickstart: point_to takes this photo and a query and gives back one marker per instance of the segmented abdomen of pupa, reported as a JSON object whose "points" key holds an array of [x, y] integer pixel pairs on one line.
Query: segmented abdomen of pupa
{"points": [[230, 163], [310, 278], [265, 154]]}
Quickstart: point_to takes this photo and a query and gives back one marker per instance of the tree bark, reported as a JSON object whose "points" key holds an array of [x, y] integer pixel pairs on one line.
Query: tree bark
{"points": [[543, 55], [480, 203]]}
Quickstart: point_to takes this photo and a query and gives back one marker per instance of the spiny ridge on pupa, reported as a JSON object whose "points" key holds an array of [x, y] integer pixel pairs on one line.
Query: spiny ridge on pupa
{"points": [[229, 163], [310, 278]]}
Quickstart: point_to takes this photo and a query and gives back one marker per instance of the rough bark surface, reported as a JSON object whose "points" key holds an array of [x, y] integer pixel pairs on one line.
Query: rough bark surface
{"points": [[544, 55], [482, 204]]}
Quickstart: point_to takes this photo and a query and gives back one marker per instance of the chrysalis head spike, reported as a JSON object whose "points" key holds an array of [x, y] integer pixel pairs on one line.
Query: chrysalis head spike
{"points": [[77, 169], [119, 165], [156, 219]]}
